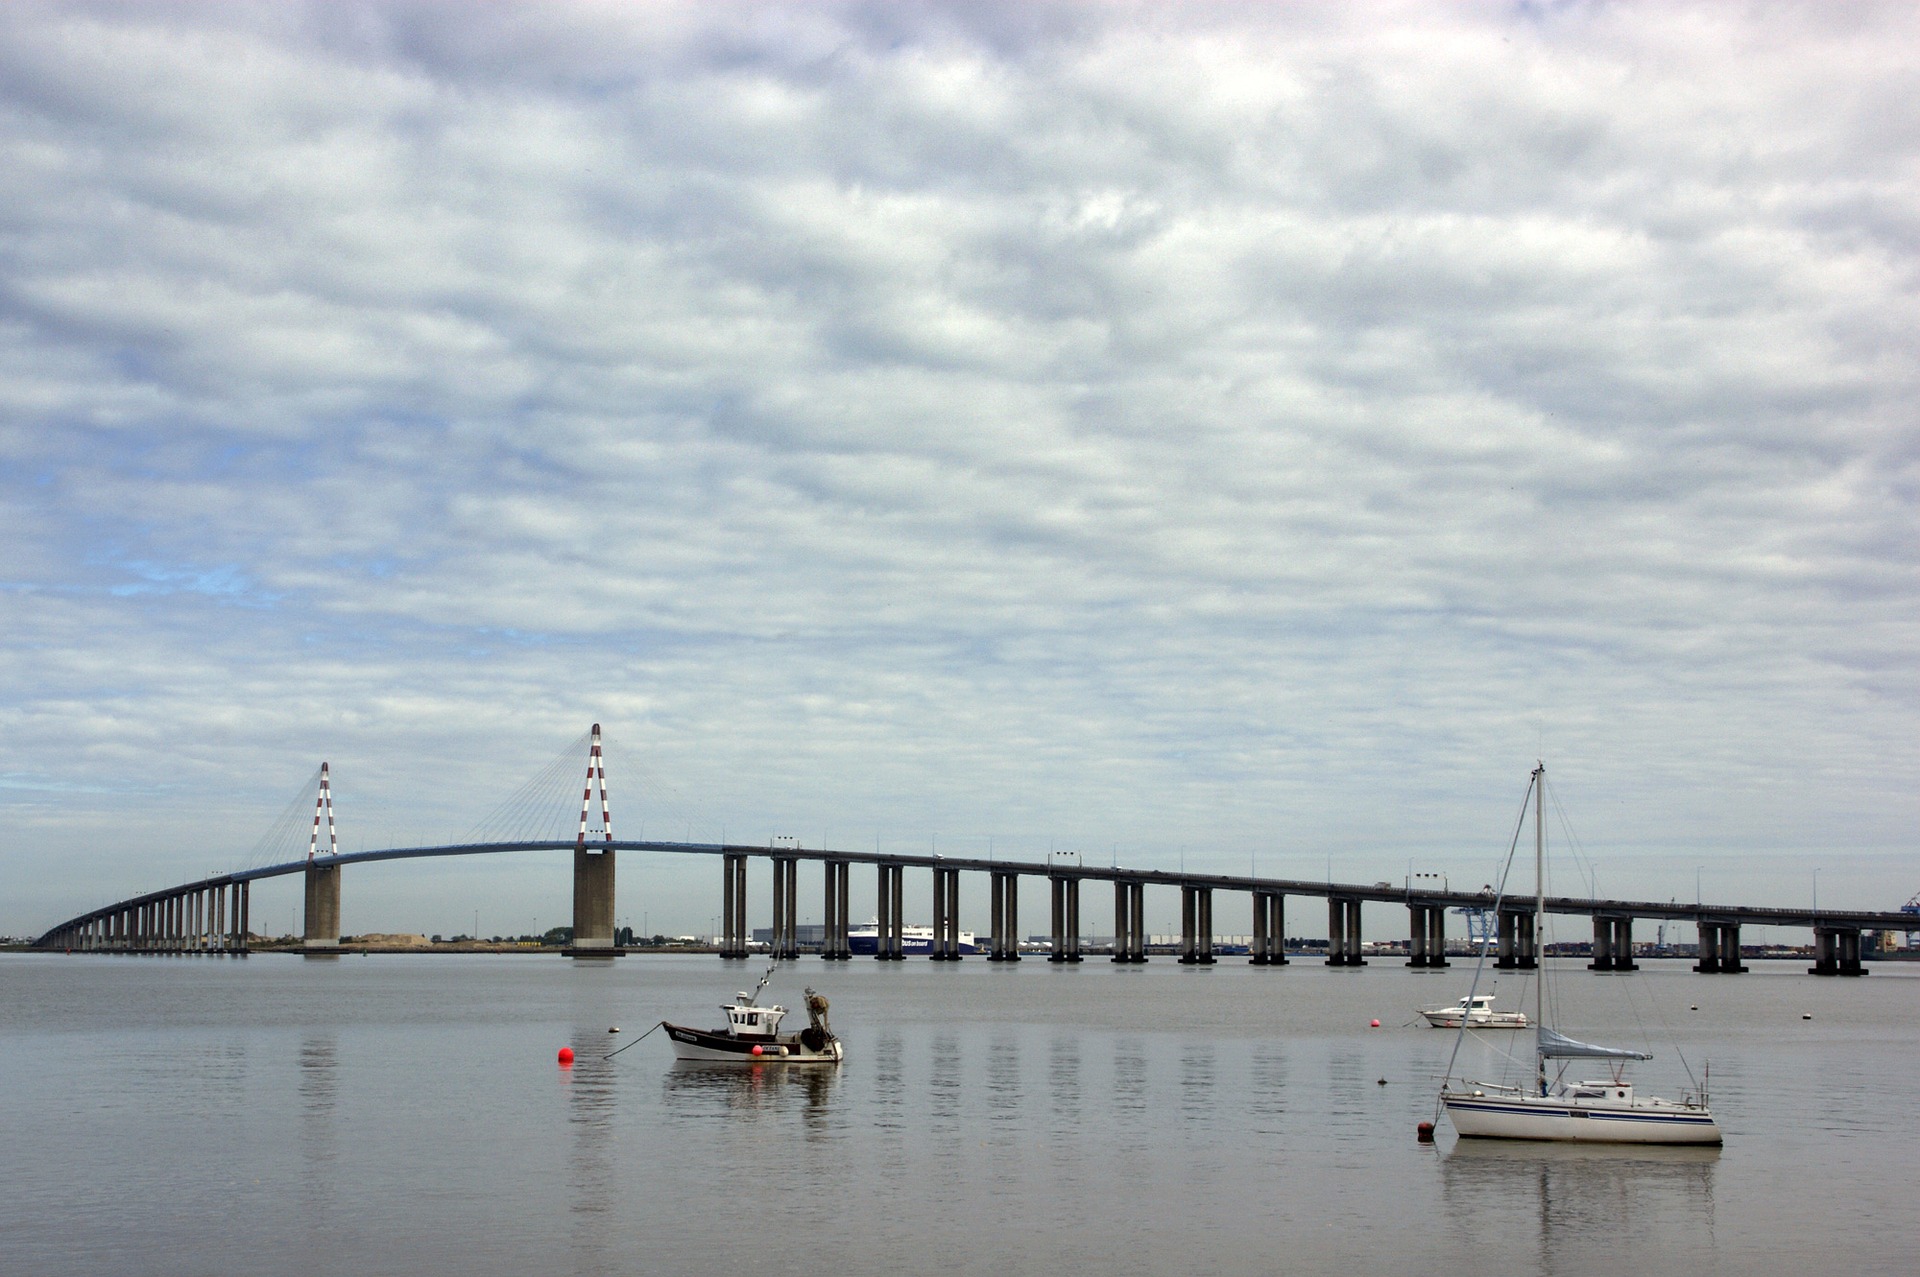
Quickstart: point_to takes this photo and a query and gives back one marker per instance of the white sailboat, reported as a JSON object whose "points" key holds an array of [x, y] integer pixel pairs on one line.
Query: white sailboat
{"points": [[1604, 1111]]}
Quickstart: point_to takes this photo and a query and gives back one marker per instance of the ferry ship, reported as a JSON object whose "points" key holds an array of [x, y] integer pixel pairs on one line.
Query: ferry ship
{"points": [[866, 940]]}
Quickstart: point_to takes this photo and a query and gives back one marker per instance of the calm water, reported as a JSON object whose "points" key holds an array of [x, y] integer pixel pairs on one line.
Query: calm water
{"points": [[395, 1114]]}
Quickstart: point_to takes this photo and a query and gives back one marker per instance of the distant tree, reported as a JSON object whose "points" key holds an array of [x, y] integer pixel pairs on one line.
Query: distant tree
{"points": [[558, 936]]}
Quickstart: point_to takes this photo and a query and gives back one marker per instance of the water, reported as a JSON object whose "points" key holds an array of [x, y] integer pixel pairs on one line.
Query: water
{"points": [[405, 1114]]}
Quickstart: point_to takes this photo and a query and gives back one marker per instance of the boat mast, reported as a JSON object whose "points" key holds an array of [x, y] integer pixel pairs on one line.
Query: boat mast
{"points": [[1539, 918]]}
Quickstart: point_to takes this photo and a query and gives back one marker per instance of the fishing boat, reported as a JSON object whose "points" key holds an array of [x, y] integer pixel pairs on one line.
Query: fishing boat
{"points": [[752, 1034], [1476, 1012], [1553, 1108]]}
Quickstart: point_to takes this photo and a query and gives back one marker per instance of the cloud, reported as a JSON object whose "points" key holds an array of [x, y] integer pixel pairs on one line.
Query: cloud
{"points": [[1258, 432]]}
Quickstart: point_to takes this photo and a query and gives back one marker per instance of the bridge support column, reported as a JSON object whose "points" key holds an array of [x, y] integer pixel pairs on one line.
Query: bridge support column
{"points": [[1196, 925], [322, 933], [592, 903], [889, 943], [946, 915], [1006, 918], [1612, 945], [1836, 952], [1129, 922], [785, 936], [1066, 920], [1343, 933], [1719, 949], [834, 946], [1269, 929], [1417, 932], [733, 905], [1519, 947]]}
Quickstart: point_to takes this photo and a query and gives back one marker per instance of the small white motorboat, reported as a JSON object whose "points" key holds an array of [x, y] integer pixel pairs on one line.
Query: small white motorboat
{"points": [[1476, 1012], [752, 1034]]}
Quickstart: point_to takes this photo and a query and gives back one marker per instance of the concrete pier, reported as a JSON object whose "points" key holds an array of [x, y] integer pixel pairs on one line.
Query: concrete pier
{"points": [[1343, 933], [1006, 918], [592, 903], [1196, 925], [1836, 951], [1066, 919], [946, 915], [1719, 949], [786, 901], [322, 931], [1129, 921], [834, 946], [1427, 935], [1269, 929], [1518, 945], [889, 945], [733, 906], [1612, 944]]}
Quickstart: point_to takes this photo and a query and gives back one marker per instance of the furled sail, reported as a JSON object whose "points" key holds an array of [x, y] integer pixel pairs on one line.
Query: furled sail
{"points": [[1558, 1046]]}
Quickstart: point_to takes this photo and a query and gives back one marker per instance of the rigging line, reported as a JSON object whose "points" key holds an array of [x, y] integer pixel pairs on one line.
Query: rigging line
{"points": [[281, 839], [636, 1042], [521, 811], [1480, 965]]}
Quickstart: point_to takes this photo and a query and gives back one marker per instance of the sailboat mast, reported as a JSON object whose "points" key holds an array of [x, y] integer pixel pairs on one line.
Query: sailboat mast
{"points": [[1539, 916]]}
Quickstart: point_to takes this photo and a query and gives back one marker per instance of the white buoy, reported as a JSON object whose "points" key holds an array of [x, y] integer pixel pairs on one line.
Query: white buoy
{"points": [[614, 1029]]}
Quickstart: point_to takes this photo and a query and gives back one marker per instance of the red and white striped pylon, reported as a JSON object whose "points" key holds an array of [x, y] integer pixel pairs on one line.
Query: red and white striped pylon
{"points": [[596, 771], [323, 803]]}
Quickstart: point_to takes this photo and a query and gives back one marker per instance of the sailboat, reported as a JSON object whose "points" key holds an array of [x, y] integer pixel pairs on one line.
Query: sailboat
{"points": [[1605, 1111]]}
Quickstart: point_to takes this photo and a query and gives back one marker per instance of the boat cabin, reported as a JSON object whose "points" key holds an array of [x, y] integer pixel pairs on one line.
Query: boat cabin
{"points": [[745, 1020]]}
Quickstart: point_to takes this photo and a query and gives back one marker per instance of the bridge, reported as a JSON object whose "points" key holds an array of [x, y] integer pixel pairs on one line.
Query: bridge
{"points": [[210, 916]]}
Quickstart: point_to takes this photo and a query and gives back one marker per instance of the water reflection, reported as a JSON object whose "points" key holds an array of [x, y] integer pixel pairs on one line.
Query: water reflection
{"points": [[319, 1084], [592, 1166], [1574, 1199], [695, 1088]]}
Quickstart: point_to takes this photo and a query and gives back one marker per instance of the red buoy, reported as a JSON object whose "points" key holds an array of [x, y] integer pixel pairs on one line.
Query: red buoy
{"points": [[1425, 1130], [566, 1057], [758, 1050], [1374, 1025]]}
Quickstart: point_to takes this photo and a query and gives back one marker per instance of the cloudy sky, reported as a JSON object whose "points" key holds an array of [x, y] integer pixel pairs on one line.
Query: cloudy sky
{"points": [[1212, 434]]}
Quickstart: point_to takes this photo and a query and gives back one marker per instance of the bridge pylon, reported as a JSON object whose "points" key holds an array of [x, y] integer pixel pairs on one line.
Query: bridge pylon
{"points": [[321, 934], [593, 867]]}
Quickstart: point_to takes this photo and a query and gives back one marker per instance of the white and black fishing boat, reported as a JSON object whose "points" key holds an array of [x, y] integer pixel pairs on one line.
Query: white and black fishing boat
{"points": [[1553, 1108], [752, 1034]]}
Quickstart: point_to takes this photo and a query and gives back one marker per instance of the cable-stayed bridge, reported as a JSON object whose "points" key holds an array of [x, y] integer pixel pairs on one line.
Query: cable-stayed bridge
{"points": [[211, 915]]}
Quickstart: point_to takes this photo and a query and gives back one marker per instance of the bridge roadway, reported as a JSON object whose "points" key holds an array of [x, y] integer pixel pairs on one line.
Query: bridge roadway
{"points": [[211, 915]]}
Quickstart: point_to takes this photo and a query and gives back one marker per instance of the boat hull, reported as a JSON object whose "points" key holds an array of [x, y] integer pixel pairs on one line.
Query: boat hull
{"points": [[1530, 1118], [723, 1048], [867, 944], [1497, 1020]]}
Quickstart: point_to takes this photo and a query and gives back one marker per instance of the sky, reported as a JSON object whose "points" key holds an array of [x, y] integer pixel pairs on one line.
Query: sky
{"points": [[1232, 437]]}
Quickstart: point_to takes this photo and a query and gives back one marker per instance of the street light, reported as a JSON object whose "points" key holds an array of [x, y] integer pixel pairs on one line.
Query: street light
{"points": [[1696, 883]]}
